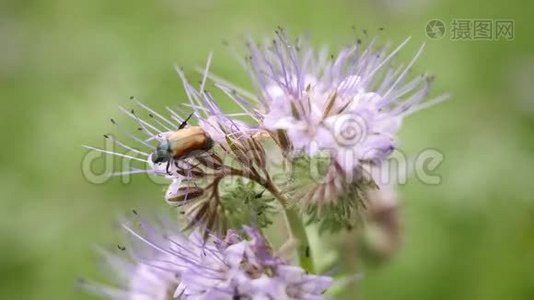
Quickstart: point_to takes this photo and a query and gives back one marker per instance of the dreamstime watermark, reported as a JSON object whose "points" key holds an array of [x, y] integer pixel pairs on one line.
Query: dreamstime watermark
{"points": [[471, 29], [395, 170], [350, 130], [100, 166]]}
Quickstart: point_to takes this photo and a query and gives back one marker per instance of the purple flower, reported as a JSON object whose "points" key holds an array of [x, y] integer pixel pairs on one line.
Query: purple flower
{"points": [[350, 105], [147, 274], [341, 110], [170, 265]]}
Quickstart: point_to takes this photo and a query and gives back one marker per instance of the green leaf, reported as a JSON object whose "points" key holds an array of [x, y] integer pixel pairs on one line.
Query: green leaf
{"points": [[247, 203]]}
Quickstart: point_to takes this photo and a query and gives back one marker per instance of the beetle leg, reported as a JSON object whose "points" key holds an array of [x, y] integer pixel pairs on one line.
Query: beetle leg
{"points": [[168, 167]]}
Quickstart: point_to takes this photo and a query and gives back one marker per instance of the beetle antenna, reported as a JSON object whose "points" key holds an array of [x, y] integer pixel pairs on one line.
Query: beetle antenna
{"points": [[184, 123]]}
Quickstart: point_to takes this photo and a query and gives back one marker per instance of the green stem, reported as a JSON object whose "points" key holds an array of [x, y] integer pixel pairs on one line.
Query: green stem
{"points": [[299, 232], [296, 230]]}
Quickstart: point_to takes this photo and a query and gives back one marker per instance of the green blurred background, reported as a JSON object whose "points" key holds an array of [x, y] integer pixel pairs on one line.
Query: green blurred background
{"points": [[65, 66]]}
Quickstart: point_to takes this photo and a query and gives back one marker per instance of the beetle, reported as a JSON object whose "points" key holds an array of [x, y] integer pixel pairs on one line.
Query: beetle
{"points": [[182, 143]]}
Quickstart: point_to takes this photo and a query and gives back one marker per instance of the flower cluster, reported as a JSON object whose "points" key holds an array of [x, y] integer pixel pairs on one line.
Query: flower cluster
{"points": [[229, 148], [349, 105], [169, 265], [303, 146]]}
